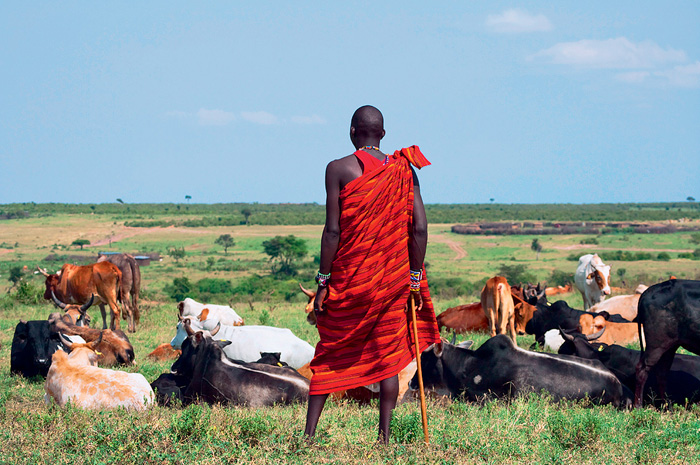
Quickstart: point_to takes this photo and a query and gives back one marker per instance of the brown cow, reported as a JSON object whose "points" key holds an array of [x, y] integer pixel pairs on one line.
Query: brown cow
{"points": [[130, 286], [498, 306], [612, 333], [164, 352], [464, 318], [559, 290], [522, 310], [114, 347], [77, 284]]}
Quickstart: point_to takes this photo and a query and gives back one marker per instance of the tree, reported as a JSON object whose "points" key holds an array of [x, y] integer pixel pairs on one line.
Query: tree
{"points": [[690, 198], [120, 201], [536, 247], [225, 241], [81, 243], [210, 263], [246, 212], [177, 253], [695, 238], [283, 251], [188, 198]]}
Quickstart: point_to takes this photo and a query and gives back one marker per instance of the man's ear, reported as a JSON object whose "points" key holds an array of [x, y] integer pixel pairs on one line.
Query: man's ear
{"points": [[383, 134]]}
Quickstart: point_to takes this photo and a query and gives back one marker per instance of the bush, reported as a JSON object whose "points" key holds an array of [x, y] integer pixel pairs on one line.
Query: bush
{"points": [[516, 274], [589, 240], [663, 256], [28, 294], [560, 278], [179, 289], [449, 288]]}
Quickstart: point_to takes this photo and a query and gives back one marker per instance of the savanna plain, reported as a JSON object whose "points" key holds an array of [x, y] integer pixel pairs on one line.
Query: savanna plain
{"points": [[529, 429]]}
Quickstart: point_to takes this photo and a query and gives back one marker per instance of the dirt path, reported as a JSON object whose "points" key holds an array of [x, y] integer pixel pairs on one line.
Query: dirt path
{"points": [[460, 253], [131, 232], [4, 251], [629, 249]]}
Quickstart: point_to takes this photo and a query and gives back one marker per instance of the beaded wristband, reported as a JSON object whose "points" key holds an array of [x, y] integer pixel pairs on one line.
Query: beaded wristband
{"points": [[416, 276], [322, 279]]}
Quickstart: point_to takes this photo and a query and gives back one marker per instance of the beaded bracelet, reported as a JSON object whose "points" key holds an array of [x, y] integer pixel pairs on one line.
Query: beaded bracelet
{"points": [[322, 279], [416, 276]]}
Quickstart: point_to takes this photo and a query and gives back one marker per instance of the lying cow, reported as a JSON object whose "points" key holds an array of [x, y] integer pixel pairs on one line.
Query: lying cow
{"points": [[33, 344], [683, 385], [76, 314], [75, 378], [610, 332], [499, 368], [114, 347], [592, 279], [164, 352], [669, 313], [249, 341], [214, 378], [623, 305], [464, 318], [209, 312], [497, 303]]}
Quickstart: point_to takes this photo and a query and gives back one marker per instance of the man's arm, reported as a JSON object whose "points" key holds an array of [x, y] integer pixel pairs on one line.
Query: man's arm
{"points": [[331, 231], [418, 236]]}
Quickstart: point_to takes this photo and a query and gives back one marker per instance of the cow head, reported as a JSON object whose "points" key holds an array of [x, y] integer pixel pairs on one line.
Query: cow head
{"points": [[592, 326], [32, 347], [52, 282], [76, 313], [600, 273], [523, 314], [85, 354], [310, 314], [431, 366]]}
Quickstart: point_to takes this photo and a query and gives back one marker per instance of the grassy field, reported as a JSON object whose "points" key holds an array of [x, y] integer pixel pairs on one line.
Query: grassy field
{"points": [[526, 430]]}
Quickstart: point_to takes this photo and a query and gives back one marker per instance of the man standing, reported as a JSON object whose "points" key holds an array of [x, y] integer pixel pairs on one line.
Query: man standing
{"points": [[372, 253]]}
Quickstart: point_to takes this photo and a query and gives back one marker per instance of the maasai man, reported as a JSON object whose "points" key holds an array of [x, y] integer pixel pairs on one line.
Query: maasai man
{"points": [[372, 252]]}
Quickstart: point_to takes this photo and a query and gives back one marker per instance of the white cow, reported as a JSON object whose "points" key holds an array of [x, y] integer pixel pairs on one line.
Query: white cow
{"points": [[248, 341], [216, 313], [75, 377], [592, 279], [623, 305]]}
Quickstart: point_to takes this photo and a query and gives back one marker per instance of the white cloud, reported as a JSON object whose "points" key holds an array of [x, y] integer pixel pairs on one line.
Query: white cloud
{"points": [[682, 76], [616, 53], [313, 119], [259, 117], [514, 21], [214, 117]]}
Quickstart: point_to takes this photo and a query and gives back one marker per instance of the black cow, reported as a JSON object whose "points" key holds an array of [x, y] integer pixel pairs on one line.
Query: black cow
{"points": [[169, 387], [215, 378], [501, 369], [683, 378], [560, 315], [32, 347], [670, 314]]}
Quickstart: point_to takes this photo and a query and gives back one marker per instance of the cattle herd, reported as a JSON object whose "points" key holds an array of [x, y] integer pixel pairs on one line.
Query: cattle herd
{"points": [[219, 359]]}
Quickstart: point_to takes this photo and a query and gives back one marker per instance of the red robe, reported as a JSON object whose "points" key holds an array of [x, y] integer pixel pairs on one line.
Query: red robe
{"points": [[365, 336]]}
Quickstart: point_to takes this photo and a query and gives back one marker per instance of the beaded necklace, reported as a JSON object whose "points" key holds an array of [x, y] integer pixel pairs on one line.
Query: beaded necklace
{"points": [[370, 147]]}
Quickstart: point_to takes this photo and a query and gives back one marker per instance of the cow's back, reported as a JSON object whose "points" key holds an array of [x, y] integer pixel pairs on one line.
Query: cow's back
{"points": [[248, 341], [672, 308]]}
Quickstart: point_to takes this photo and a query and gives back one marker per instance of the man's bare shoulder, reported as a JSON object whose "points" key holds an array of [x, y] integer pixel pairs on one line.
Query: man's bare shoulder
{"points": [[344, 170], [349, 160]]}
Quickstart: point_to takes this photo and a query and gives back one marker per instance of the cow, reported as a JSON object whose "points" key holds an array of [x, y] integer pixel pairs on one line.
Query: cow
{"points": [[623, 305], [114, 347], [214, 313], [464, 318], [249, 341], [215, 378], [130, 286], [33, 344], [168, 388], [74, 314], [164, 352], [683, 377], [592, 279], [77, 284], [523, 310], [309, 309], [610, 332], [501, 369], [75, 378], [669, 316], [498, 306], [557, 315], [549, 291]]}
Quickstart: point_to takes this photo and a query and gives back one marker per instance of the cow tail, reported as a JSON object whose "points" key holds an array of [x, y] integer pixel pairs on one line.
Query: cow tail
{"points": [[641, 335]]}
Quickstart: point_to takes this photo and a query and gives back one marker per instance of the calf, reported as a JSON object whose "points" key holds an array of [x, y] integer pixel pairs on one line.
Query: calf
{"points": [[215, 313], [75, 378], [669, 315], [114, 347], [214, 378], [683, 377], [249, 341], [33, 344], [497, 303], [611, 332], [499, 368]]}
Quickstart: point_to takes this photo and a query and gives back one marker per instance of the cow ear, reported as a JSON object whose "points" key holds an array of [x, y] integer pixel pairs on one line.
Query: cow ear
{"points": [[604, 314], [223, 343], [437, 349]]}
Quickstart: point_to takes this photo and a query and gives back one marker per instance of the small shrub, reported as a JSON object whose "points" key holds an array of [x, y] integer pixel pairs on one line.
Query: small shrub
{"points": [[589, 240], [179, 289], [406, 428], [29, 294], [663, 256], [560, 278]]}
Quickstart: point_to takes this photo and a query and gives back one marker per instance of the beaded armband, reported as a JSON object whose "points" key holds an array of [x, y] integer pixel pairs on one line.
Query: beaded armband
{"points": [[322, 279], [416, 276]]}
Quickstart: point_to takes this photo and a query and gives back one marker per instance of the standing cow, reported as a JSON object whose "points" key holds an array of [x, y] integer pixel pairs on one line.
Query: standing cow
{"points": [[592, 279], [130, 286], [74, 284], [498, 306]]}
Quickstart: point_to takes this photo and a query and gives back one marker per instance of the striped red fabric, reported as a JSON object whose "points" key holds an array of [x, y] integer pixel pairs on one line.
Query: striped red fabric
{"points": [[364, 331]]}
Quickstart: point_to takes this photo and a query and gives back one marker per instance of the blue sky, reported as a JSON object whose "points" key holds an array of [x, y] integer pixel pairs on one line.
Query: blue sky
{"points": [[248, 101]]}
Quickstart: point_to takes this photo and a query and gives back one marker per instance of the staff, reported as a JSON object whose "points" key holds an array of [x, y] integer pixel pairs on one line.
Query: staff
{"points": [[423, 411]]}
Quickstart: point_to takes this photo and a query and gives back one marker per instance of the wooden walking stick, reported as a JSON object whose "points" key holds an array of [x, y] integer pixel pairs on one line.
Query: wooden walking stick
{"points": [[423, 411]]}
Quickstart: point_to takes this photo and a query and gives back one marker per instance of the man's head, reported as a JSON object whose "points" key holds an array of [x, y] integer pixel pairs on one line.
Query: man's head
{"points": [[366, 126]]}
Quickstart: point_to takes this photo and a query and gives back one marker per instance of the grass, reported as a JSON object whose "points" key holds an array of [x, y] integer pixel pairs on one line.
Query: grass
{"points": [[525, 430]]}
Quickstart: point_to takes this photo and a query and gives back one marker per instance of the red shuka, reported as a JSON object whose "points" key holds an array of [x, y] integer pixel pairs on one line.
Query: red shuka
{"points": [[365, 336]]}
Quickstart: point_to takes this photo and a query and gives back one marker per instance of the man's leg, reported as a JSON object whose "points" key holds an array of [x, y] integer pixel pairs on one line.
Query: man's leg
{"points": [[316, 404], [388, 394]]}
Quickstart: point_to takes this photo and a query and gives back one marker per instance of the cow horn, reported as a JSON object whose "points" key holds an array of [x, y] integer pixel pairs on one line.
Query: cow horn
{"points": [[454, 338], [565, 335], [42, 271], [86, 305], [65, 341], [58, 303], [594, 336], [216, 330], [93, 345], [188, 328], [308, 293]]}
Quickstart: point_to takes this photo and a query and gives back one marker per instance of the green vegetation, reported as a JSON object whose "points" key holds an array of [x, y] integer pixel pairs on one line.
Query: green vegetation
{"points": [[81, 243], [283, 252], [225, 241]]}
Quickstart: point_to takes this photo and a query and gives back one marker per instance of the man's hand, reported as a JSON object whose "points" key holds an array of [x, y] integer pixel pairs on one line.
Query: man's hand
{"points": [[318, 300], [417, 299]]}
